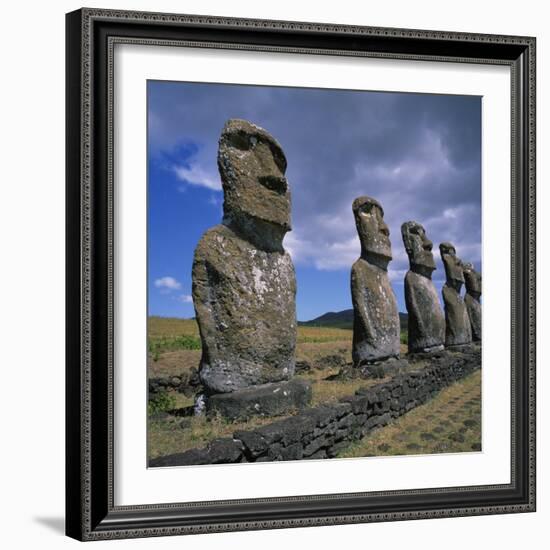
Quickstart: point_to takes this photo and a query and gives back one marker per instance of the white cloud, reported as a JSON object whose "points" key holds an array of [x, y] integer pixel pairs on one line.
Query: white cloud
{"points": [[197, 176], [168, 283], [450, 213], [185, 298], [338, 255], [325, 256]]}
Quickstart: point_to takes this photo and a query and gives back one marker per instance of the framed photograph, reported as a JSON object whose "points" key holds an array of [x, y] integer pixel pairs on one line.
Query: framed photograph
{"points": [[277, 234]]}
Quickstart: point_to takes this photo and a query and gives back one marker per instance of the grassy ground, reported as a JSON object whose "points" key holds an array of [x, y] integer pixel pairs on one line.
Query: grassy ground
{"points": [[174, 345], [169, 434], [173, 350], [449, 423]]}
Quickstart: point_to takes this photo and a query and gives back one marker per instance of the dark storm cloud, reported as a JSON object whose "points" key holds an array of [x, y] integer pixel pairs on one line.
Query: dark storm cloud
{"points": [[419, 155]]}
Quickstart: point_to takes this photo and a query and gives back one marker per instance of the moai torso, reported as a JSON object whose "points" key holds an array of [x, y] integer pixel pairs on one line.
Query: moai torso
{"points": [[426, 322], [244, 283], [376, 328], [472, 299], [457, 322]]}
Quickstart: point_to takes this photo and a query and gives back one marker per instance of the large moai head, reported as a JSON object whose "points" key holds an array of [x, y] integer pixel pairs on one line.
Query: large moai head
{"points": [[419, 248], [453, 266], [472, 279], [252, 167], [373, 232]]}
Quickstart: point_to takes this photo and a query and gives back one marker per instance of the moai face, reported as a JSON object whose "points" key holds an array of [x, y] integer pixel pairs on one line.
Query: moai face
{"points": [[418, 247], [453, 265], [472, 279], [373, 232], [252, 166]]}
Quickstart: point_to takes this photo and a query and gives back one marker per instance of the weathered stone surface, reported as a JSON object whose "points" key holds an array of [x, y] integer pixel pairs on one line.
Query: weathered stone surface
{"points": [[262, 400], [426, 322], [244, 283], [457, 323], [388, 367], [472, 299], [376, 319], [187, 382]]}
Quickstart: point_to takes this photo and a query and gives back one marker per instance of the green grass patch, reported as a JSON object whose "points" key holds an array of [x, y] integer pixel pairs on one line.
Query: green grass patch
{"points": [[161, 344], [161, 402]]}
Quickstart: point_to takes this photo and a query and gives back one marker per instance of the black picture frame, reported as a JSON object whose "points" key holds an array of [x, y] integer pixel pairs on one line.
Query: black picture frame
{"points": [[90, 511]]}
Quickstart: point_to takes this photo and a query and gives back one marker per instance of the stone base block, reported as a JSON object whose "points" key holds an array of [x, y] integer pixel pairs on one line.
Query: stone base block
{"points": [[264, 400], [380, 369]]}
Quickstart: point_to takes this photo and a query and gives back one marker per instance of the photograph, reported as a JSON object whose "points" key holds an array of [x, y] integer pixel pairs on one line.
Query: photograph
{"points": [[314, 273]]}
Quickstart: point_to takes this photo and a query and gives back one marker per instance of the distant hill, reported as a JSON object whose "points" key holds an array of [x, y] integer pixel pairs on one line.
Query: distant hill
{"points": [[342, 319]]}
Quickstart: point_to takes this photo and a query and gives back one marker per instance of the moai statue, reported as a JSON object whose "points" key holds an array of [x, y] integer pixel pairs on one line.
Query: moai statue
{"points": [[471, 299], [244, 285], [376, 328], [457, 322], [426, 322]]}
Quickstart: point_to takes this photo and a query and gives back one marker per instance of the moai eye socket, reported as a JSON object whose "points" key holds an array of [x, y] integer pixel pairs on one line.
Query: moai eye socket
{"points": [[274, 183], [367, 208], [239, 140]]}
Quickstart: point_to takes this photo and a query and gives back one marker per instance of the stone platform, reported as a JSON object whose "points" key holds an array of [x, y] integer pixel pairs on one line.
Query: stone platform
{"points": [[323, 431], [264, 400]]}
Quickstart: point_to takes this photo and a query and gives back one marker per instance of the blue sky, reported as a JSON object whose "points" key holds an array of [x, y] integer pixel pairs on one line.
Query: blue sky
{"points": [[418, 154]]}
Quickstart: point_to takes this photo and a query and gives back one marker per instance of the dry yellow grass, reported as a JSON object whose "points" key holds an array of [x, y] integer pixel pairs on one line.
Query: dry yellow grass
{"points": [[449, 423], [173, 363], [178, 434], [312, 344], [171, 327], [318, 335]]}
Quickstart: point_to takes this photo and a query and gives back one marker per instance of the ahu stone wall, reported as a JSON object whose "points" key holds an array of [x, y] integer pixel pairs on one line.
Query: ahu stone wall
{"points": [[323, 431]]}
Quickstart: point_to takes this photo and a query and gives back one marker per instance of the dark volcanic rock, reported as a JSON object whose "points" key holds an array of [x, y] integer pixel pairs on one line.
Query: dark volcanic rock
{"points": [[243, 280], [187, 382], [457, 322], [376, 318], [219, 451], [426, 322], [330, 361], [263, 400], [381, 369], [187, 458], [303, 366]]}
